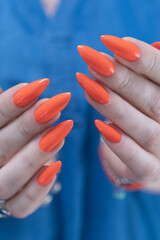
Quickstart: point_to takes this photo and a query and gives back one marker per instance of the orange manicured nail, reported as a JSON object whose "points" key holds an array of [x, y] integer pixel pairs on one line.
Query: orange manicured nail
{"points": [[134, 186], [49, 109], [96, 91], [49, 173], [96, 60], [121, 47], [30, 92], [156, 45], [109, 132], [55, 136]]}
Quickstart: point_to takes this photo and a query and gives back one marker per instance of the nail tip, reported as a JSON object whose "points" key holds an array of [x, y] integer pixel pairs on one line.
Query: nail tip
{"points": [[79, 47], [44, 81], [71, 123], [78, 74], [102, 37], [68, 94], [97, 121]]}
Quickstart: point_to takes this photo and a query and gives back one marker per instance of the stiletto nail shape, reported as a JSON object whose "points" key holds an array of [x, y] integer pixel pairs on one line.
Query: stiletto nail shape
{"points": [[121, 47], [49, 173], [109, 132], [30, 92], [49, 109], [156, 45], [55, 136], [96, 60], [96, 91]]}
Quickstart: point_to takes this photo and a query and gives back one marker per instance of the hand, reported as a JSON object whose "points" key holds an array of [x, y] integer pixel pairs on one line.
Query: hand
{"points": [[27, 144], [127, 92]]}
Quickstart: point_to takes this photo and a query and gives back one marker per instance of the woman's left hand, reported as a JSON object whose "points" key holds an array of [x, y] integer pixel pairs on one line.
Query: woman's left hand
{"points": [[127, 92]]}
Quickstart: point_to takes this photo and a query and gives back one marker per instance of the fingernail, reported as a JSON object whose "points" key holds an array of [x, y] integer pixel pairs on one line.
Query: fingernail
{"points": [[49, 109], [94, 90], [121, 47], [55, 136], [49, 173], [108, 132], [96, 60], [134, 186], [156, 45], [30, 92]]}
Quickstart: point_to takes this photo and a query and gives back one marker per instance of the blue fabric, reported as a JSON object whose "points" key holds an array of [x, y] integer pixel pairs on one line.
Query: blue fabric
{"points": [[33, 46]]}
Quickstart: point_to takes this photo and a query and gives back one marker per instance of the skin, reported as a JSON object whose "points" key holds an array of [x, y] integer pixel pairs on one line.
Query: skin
{"points": [[22, 154], [50, 6], [134, 110]]}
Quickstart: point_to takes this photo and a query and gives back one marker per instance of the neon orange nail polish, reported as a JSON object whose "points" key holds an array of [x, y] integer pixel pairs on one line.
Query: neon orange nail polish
{"points": [[49, 173], [96, 60], [55, 136], [109, 132], [49, 109], [30, 92], [121, 47], [134, 186], [96, 91], [156, 45]]}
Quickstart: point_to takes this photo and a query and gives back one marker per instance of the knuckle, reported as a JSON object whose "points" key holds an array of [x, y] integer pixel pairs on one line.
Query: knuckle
{"points": [[132, 156], [127, 81], [4, 192], [23, 129], [30, 196], [155, 106], [29, 164], [120, 114], [152, 64], [3, 117], [151, 141]]}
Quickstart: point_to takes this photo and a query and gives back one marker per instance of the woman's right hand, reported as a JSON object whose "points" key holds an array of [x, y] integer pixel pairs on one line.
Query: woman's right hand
{"points": [[27, 143]]}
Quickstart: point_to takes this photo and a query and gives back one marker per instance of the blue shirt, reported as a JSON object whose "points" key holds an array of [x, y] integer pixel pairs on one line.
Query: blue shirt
{"points": [[33, 46]]}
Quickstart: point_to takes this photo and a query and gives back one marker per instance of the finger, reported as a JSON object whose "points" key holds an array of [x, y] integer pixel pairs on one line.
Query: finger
{"points": [[31, 158], [29, 124], [110, 160], [136, 55], [33, 194], [143, 130], [130, 86], [118, 173], [16, 100], [142, 164]]}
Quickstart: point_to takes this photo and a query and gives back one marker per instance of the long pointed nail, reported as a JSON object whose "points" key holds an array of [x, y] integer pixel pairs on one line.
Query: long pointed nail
{"points": [[121, 47], [156, 45], [49, 109], [94, 90], [49, 173], [96, 60], [30, 92], [55, 136], [108, 132]]}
